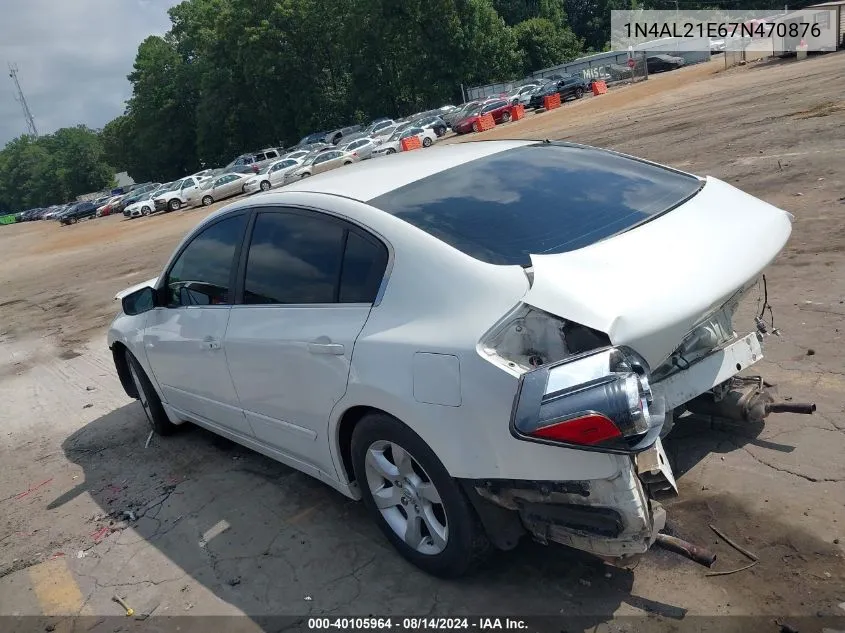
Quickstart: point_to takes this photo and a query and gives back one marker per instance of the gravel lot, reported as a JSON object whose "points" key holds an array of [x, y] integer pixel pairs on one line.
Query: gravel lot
{"points": [[219, 530]]}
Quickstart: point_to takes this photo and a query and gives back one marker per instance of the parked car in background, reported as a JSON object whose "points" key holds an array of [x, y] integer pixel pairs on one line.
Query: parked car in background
{"points": [[570, 87], [434, 123], [298, 154], [273, 175], [662, 63], [314, 137], [106, 208], [54, 212], [334, 137], [455, 115], [252, 161], [394, 143], [134, 196], [178, 195], [499, 109], [144, 205], [78, 212], [362, 146], [202, 175], [385, 133], [220, 188], [376, 126], [522, 95], [325, 161]]}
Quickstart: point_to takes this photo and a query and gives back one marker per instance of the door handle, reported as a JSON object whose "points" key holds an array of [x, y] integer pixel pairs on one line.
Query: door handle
{"points": [[209, 343], [326, 348]]}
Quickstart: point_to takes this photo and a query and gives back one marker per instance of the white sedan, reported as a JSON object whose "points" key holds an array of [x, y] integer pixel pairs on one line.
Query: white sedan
{"points": [[479, 343], [394, 143], [143, 207], [272, 175]]}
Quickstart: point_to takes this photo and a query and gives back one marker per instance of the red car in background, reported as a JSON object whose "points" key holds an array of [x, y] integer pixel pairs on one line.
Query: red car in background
{"points": [[499, 108]]}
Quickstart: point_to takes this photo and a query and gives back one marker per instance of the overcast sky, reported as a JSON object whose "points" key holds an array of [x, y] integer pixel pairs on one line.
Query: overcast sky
{"points": [[73, 57]]}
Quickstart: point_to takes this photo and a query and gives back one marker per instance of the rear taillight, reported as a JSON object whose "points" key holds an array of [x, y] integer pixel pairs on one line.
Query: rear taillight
{"points": [[589, 429], [600, 399]]}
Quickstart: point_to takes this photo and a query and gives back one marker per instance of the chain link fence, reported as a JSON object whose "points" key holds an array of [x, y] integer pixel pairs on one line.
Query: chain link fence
{"points": [[611, 67]]}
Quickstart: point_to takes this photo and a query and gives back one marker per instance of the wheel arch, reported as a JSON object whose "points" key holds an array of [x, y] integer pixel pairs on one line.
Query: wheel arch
{"points": [[121, 364], [347, 421]]}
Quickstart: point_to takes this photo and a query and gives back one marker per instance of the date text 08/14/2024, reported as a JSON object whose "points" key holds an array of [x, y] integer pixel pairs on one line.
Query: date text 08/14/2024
{"points": [[420, 623], [720, 29]]}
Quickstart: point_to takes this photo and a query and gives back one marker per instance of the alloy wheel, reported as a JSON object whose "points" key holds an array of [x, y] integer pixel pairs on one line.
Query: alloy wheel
{"points": [[406, 497]]}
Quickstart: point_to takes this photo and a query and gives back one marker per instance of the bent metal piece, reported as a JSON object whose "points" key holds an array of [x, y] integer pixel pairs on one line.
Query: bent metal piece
{"points": [[697, 553]]}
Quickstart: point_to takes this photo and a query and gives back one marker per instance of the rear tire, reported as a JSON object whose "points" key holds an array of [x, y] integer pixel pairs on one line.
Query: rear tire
{"points": [[428, 508], [579, 92], [207, 200], [147, 396]]}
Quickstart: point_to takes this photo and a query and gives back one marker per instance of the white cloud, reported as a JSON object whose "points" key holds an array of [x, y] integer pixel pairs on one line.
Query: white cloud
{"points": [[73, 59]]}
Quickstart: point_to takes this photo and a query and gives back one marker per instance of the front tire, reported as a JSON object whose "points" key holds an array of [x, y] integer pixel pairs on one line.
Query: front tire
{"points": [[265, 185], [506, 117], [145, 211], [426, 142], [175, 204], [579, 92], [147, 396], [207, 200], [413, 499], [390, 150]]}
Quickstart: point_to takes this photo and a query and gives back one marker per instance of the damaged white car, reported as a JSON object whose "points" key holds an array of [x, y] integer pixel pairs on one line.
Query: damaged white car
{"points": [[481, 342]]}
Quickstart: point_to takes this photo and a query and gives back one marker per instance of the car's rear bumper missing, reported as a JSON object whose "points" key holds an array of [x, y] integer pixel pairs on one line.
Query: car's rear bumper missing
{"points": [[610, 518]]}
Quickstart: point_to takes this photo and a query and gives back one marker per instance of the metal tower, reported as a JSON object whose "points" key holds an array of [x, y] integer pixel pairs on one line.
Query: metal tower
{"points": [[30, 122]]}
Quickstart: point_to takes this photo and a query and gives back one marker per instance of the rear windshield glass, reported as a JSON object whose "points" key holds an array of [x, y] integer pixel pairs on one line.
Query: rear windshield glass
{"points": [[537, 199]]}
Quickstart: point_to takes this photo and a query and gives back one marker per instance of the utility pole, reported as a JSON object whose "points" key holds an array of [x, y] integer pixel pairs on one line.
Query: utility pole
{"points": [[30, 121]]}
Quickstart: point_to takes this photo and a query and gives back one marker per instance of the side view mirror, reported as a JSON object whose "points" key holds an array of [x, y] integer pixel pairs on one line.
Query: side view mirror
{"points": [[138, 302]]}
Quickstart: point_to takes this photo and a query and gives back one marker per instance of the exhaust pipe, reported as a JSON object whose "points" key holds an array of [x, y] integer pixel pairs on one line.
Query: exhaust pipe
{"points": [[746, 401], [805, 408], [695, 553]]}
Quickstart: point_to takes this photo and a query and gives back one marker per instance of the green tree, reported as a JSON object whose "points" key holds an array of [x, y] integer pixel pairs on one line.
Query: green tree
{"points": [[53, 168], [545, 44], [161, 113]]}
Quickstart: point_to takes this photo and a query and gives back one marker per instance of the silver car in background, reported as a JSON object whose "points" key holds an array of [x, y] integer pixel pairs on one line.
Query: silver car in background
{"points": [[362, 146], [325, 161], [224, 186], [273, 175]]}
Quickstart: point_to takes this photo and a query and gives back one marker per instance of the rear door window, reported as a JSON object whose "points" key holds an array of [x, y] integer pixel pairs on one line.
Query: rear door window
{"points": [[311, 258]]}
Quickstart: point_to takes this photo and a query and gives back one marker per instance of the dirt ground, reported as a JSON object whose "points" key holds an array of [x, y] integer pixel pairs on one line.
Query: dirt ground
{"points": [[213, 529]]}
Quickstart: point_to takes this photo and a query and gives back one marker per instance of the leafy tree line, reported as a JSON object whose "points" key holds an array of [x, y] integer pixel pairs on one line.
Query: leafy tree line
{"points": [[236, 75], [52, 169]]}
